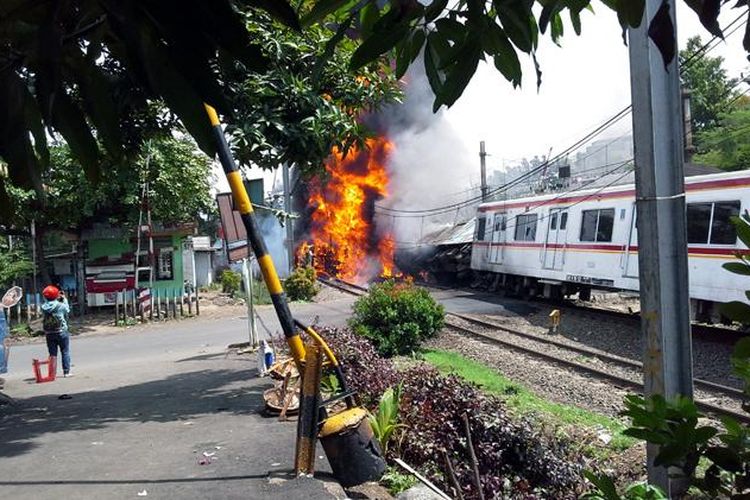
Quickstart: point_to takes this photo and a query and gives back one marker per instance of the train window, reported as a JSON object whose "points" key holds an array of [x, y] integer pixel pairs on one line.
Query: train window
{"points": [[597, 225], [503, 223], [606, 224], [711, 222], [481, 226], [563, 220], [723, 231], [553, 221], [526, 227], [699, 222]]}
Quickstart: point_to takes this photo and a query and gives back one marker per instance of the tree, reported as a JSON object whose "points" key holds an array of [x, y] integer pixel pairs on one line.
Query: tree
{"points": [[14, 265], [712, 93], [178, 173], [303, 104], [77, 67], [454, 37], [727, 145]]}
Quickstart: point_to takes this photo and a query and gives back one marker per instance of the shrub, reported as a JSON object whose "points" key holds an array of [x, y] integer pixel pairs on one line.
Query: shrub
{"points": [[514, 460], [302, 284], [364, 370], [396, 317], [385, 420], [230, 281]]}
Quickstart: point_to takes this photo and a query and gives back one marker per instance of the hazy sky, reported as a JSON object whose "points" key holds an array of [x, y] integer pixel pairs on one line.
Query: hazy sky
{"points": [[584, 82]]}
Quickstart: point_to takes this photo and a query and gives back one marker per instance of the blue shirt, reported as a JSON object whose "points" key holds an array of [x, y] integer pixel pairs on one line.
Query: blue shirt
{"points": [[3, 334], [60, 310]]}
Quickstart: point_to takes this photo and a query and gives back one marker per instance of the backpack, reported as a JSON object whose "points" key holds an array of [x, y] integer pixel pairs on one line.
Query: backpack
{"points": [[51, 323]]}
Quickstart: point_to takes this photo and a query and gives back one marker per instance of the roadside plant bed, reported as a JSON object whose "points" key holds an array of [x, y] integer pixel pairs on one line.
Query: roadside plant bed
{"points": [[513, 458]]}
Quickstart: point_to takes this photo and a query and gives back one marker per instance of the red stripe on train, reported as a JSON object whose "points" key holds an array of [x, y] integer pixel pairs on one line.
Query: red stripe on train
{"points": [[695, 186], [616, 248]]}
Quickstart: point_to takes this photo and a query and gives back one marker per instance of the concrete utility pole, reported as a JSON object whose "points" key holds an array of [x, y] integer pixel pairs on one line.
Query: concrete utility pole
{"points": [[289, 221], [662, 235], [483, 167], [247, 276]]}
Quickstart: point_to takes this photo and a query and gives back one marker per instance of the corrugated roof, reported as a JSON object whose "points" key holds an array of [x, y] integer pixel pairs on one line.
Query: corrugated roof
{"points": [[451, 235]]}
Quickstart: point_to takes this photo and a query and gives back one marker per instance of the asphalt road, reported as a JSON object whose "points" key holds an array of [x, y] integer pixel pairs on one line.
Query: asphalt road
{"points": [[147, 403]]}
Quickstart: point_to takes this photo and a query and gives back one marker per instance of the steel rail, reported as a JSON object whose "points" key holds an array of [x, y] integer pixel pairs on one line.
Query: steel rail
{"points": [[615, 379]]}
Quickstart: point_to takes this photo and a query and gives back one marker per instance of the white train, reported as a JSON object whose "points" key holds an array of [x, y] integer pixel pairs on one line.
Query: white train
{"points": [[566, 243]]}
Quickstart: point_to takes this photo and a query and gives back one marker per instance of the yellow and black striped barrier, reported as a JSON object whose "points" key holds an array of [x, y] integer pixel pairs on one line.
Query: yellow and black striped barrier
{"points": [[245, 208], [347, 437]]}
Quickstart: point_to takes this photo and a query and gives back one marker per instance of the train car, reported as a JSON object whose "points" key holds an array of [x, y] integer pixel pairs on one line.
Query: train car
{"points": [[572, 242]]}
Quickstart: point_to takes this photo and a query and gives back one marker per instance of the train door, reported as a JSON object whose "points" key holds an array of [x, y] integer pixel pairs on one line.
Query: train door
{"points": [[498, 239], [554, 245], [630, 266]]}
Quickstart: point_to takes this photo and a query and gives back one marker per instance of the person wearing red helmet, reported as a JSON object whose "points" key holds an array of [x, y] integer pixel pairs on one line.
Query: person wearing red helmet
{"points": [[55, 325]]}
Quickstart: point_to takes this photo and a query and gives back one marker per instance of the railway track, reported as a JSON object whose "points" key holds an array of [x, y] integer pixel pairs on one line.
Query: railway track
{"points": [[567, 355]]}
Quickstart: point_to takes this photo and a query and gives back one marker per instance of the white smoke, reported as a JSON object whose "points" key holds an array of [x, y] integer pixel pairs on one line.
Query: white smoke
{"points": [[430, 166]]}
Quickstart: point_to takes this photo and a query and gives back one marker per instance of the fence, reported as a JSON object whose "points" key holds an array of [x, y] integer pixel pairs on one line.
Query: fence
{"points": [[154, 304], [145, 305], [29, 308]]}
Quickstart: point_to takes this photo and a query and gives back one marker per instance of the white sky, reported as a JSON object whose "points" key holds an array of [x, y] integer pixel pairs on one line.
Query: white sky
{"points": [[584, 82]]}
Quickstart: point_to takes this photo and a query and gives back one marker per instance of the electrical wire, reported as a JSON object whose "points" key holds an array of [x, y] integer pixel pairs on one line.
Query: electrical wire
{"points": [[687, 64]]}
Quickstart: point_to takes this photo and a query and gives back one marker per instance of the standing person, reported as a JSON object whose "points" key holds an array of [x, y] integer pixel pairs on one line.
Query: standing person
{"points": [[55, 325], [4, 346]]}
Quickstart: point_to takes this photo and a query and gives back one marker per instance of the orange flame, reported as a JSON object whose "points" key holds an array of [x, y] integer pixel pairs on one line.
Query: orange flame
{"points": [[345, 242]]}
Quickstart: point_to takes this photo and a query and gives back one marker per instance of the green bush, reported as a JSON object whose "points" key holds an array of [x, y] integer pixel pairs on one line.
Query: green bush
{"points": [[230, 281], [397, 317], [302, 284]]}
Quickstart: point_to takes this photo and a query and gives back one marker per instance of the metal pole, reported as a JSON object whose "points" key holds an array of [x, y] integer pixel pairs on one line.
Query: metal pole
{"points": [[483, 167], [33, 254], [289, 222], [248, 278], [662, 234]]}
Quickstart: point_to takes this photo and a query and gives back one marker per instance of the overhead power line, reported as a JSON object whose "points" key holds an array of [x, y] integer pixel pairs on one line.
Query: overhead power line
{"points": [[699, 54]]}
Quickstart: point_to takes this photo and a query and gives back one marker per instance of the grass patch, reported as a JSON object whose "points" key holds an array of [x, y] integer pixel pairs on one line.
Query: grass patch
{"points": [[523, 401]]}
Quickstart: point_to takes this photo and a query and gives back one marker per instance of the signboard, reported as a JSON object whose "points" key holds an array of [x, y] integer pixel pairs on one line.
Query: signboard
{"points": [[235, 236]]}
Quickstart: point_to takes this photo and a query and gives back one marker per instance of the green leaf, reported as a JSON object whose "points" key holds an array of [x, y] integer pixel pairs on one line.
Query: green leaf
{"points": [[514, 17], [377, 44], [331, 47], [703, 434], [434, 9], [504, 54], [646, 435], [279, 9], [743, 230], [320, 10], [417, 42], [741, 349], [368, 16], [459, 75], [737, 268], [451, 29], [430, 66], [630, 12], [604, 483], [724, 458], [550, 9], [557, 29], [69, 120], [575, 20], [98, 102], [708, 13], [6, 204], [738, 311]]}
